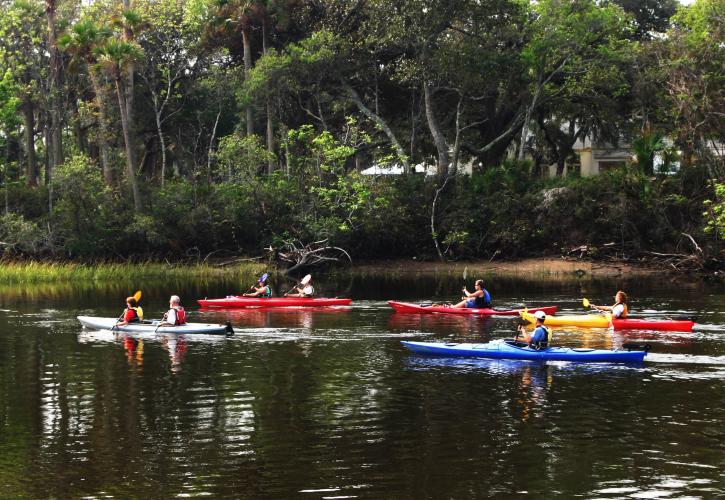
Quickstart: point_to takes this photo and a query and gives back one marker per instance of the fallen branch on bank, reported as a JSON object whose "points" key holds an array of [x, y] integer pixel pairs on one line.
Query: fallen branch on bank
{"points": [[313, 254]]}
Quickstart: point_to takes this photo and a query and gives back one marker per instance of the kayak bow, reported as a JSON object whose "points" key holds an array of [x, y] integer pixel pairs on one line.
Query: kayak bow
{"points": [[406, 307]]}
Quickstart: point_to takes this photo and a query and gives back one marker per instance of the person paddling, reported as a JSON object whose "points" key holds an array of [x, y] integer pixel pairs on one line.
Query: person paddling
{"points": [[477, 299], [132, 314], [620, 309], [306, 290], [541, 336], [175, 316], [262, 290]]}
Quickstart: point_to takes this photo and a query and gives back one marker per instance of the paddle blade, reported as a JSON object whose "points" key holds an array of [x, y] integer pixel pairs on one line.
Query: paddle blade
{"points": [[264, 277], [306, 279], [465, 273], [585, 302], [137, 295]]}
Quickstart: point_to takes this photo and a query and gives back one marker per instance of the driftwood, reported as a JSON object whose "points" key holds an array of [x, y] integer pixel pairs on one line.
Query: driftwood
{"points": [[678, 261], [313, 254]]}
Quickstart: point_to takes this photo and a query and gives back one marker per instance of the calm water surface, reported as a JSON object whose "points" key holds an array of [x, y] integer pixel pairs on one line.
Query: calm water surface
{"points": [[327, 404]]}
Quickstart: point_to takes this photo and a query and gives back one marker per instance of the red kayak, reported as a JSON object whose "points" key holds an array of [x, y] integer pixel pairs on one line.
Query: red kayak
{"points": [[672, 325], [234, 302], [406, 307]]}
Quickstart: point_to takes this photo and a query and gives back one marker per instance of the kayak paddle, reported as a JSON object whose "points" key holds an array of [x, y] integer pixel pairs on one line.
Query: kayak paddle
{"points": [[137, 295], [585, 303]]}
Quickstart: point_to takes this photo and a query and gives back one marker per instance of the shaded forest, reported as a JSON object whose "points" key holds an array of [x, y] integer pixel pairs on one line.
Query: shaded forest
{"points": [[187, 128]]}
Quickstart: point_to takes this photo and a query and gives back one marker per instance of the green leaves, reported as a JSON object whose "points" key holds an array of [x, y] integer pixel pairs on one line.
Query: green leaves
{"points": [[715, 211]]}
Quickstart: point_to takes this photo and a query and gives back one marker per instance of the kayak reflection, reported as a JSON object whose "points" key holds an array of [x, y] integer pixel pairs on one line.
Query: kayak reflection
{"points": [[441, 324], [308, 318]]}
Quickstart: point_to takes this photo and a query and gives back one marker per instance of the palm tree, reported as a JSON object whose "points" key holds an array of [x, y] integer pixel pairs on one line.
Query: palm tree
{"points": [[81, 42], [56, 77], [114, 57], [241, 14]]}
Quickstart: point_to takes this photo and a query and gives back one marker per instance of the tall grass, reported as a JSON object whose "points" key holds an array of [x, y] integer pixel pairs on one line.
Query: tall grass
{"points": [[52, 272]]}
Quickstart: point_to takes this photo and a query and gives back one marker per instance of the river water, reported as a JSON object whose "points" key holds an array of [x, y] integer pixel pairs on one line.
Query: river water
{"points": [[328, 404]]}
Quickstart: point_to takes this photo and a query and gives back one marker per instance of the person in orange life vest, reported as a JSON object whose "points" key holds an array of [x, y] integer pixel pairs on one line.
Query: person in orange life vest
{"points": [[175, 316], [132, 314], [620, 309]]}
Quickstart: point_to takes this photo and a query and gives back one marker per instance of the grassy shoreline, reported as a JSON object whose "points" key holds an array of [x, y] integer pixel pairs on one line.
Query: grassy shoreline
{"points": [[35, 272], [32, 272]]}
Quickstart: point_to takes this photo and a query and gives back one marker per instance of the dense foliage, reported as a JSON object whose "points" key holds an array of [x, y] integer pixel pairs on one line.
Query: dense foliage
{"points": [[177, 128]]}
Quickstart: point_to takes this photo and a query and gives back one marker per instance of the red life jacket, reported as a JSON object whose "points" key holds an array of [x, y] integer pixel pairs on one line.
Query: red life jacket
{"points": [[180, 316]]}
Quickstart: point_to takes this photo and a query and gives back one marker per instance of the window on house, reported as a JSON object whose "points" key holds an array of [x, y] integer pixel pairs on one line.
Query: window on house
{"points": [[605, 166]]}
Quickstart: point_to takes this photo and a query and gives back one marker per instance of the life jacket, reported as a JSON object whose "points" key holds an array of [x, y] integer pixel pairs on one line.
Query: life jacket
{"points": [[267, 291], [137, 314], [180, 317], [484, 300], [542, 344], [312, 290], [625, 311]]}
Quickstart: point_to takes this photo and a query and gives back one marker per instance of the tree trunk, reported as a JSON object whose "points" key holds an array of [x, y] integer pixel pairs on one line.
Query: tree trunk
{"points": [[48, 155], [56, 131], [130, 69], [130, 170], [210, 153], [435, 130], [102, 130], [270, 112], [433, 232], [247, 70], [31, 175], [162, 146], [402, 157], [527, 119]]}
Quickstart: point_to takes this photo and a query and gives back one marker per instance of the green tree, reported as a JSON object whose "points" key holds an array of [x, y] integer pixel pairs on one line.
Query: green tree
{"points": [[576, 61], [114, 57], [82, 42], [694, 56], [23, 60]]}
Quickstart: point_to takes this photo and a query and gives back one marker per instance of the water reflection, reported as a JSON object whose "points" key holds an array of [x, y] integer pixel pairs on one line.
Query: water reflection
{"points": [[330, 404], [134, 350], [307, 318]]}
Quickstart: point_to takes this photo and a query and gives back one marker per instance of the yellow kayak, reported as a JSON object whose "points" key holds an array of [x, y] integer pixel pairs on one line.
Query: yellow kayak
{"points": [[585, 320]]}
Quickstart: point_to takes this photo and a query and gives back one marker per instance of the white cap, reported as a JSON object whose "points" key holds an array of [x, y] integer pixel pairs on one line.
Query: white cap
{"points": [[540, 315]]}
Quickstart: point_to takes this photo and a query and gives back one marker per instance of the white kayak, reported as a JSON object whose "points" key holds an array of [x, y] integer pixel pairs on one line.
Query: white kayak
{"points": [[152, 326]]}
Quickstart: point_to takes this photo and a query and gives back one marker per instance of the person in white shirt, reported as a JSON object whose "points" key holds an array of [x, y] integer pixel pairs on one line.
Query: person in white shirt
{"points": [[306, 290], [620, 309], [176, 315]]}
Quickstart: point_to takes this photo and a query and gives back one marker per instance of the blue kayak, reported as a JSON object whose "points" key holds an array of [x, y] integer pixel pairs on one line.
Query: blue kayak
{"points": [[500, 349]]}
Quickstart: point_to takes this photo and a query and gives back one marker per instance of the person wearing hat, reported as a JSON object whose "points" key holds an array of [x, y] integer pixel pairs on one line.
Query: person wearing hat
{"points": [[263, 290], [541, 336], [306, 290]]}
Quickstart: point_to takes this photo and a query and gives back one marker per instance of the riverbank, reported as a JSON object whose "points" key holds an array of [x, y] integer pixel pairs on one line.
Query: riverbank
{"points": [[546, 266], [33, 272]]}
